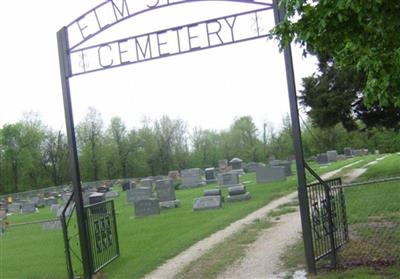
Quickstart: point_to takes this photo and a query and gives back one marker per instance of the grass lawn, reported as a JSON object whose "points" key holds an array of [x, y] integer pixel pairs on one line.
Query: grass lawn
{"points": [[388, 167], [145, 243], [373, 212]]}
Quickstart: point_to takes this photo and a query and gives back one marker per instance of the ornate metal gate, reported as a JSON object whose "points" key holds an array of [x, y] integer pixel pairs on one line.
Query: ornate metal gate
{"points": [[100, 223], [328, 218]]}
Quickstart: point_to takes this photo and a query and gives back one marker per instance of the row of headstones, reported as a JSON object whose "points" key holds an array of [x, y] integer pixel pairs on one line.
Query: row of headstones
{"points": [[333, 156], [146, 202], [212, 198]]}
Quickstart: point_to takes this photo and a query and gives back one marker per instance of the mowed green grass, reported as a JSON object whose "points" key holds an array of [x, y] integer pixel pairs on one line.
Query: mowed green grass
{"points": [[387, 167], [145, 243]]}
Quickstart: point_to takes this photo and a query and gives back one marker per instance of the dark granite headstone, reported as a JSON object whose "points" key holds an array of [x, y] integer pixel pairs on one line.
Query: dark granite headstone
{"points": [[236, 163], [207, 202], [237, 190], [147, 207], [347, 151], [322, 159], [270, 174], [125, 186], [210, 175], [212, 192], [96, 198], [228, 179]]}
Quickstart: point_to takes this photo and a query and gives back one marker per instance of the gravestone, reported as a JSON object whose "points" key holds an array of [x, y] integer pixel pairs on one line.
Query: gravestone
{"points": [[332, 155], [96, 198], [364, 152], [281, 163], [210, 175], [228, 179], [270, 174], [237, 193], [207, 202], [236, 164], [146, 207], [50, 201], [214, 192], [14, 208], [322, 159], [102, 189], [191, 178], [165, 190], [136, 194], [252, 166], [147, 183], [347, 151], [356, 152], [111, 195], [35, 200], [166, 193], [125, 186], [28, 208], [173, 175]]}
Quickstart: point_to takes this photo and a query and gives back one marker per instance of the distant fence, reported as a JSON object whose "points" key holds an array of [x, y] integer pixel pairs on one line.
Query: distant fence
{"points": [[58, 189]]}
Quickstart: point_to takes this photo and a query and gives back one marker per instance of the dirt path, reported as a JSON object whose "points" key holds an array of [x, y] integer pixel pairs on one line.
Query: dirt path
{"points": [[173, 266], [262, 257]]}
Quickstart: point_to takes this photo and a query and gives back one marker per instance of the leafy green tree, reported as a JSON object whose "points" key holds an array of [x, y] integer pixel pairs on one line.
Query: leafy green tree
{"points": [[356, 34], [54, 150], [205, 152], [118, 148], [90, 136]]}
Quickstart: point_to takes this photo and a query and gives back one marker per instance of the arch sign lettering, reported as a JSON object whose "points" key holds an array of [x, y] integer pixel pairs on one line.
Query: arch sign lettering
{"points": [[83, 50]]}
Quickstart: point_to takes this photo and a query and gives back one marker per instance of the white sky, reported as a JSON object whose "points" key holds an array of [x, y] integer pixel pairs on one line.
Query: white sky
{"points": [[207, 89]]}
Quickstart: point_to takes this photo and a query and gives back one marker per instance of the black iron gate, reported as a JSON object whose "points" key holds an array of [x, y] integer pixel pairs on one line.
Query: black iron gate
{"points": [[100, 222], [327, 211]]}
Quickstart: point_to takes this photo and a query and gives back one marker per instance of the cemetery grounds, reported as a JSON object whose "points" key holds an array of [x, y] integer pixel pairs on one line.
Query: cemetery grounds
{"points": [[28, 251]]}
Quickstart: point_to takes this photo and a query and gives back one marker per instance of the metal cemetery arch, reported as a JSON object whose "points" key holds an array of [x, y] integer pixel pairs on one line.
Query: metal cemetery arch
{"points": [[93, 23]]}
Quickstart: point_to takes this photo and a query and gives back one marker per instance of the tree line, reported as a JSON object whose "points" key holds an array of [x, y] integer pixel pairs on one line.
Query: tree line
{"points": [[34, 156]]}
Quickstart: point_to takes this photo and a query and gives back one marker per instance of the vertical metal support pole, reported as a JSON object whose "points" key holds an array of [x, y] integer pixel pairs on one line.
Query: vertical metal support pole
{"points": [[65, 70], [298, 148]]}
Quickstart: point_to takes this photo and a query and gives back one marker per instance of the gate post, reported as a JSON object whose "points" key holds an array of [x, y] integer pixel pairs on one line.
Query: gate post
{"points": [[298, 148], [65, 71]]}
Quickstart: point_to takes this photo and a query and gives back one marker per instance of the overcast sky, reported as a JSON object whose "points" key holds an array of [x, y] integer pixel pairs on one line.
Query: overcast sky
{"points": [[207, 89]]}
